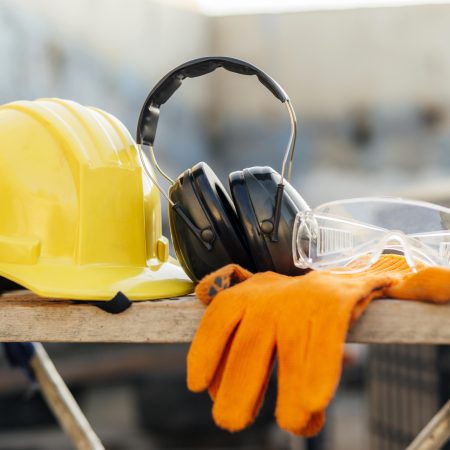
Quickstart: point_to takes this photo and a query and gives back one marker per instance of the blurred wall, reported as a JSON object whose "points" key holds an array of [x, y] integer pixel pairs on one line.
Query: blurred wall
{"points": [[333, 61], [369, 85], [371, 88], [106, 53]]}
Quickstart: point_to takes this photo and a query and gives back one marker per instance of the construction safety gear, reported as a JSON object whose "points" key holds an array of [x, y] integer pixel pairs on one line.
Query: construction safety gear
{"points": [[78, 218], [210, 228]]}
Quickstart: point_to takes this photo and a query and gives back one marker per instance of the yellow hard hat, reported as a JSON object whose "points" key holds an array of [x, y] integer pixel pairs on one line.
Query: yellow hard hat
{"points": [[79, 219]]}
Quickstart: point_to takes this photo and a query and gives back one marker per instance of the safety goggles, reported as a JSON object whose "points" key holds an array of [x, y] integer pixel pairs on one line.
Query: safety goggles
{"points": [[350, 235]]}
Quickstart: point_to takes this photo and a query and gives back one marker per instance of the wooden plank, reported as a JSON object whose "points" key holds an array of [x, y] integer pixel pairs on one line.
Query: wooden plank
{"points": [[403, 322], [26, 317], [436, 433]]}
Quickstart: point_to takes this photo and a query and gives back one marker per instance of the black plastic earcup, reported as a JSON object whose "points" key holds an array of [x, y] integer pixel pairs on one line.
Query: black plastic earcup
{"points": [[254, 192], [214, 236]]}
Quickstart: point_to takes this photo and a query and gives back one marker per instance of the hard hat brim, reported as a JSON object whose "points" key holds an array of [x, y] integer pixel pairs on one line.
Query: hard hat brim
{"points": [[100, 282]]}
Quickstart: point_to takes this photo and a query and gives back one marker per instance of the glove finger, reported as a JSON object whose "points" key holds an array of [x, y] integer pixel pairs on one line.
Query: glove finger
{"points": [[323, 366], [314, 425], [218, 324], [245, 376], [215, 383], [292, 343], [300, 342]]}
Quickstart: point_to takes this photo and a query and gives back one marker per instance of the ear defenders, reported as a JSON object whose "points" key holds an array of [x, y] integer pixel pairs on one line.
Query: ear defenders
{"points": [[253, 227]]}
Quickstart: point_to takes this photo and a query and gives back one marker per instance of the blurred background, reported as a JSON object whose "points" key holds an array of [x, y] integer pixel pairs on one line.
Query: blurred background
{"points": [[370, 83]]}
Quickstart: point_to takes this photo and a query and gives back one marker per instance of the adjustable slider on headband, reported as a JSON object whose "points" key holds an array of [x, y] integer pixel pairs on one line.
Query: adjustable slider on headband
{"points": [[270, 226], [277, 213]]}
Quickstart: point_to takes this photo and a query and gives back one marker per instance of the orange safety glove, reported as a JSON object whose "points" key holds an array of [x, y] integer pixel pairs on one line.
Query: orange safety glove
{"points": [[305, 320]]}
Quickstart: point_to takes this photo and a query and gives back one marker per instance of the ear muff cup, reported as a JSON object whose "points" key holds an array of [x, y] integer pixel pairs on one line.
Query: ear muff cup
{"points": [[207, 228], [203, 198], [249, 221], [254, 193]]}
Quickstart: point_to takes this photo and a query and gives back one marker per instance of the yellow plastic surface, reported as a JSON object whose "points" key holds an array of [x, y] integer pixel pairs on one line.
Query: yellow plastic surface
{"points": [[79, 218]]}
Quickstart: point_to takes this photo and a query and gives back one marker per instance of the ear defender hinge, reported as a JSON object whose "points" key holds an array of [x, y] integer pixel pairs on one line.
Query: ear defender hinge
{"points": [[270, 226], [277, 213], [206, 235], [266, 226]]}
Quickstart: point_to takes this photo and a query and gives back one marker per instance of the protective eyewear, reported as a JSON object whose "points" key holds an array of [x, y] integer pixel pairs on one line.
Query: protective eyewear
{"points": [[350, 235]]}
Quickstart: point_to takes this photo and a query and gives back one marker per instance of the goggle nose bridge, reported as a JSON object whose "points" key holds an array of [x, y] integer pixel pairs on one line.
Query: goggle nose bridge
{"points": [[402, 239], [395, 235]]}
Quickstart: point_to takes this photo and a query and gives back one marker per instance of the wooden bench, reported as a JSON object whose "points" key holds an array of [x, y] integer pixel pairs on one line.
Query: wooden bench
{"points": [[25, 317]]}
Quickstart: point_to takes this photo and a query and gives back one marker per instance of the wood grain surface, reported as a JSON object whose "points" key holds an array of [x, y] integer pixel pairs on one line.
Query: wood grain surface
{"points": [[26, 317]]}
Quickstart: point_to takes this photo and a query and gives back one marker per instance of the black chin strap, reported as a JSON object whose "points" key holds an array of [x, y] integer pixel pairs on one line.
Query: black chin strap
{"points": [[19, 354], [8, 285], [119, 303]]}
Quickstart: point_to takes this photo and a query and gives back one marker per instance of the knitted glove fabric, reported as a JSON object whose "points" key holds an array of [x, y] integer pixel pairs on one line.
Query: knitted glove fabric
{"points": [[304, 320]]}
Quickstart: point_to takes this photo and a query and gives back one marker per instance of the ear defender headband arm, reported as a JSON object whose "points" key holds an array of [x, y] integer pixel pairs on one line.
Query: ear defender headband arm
{"points": [[149, 116]]}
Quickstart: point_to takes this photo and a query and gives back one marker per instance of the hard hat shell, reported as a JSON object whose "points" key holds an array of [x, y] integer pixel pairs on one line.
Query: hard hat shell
{"points": [[79, 219]]}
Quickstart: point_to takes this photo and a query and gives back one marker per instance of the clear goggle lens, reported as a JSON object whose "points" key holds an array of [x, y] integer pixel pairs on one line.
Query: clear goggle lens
{"points": [[350, 236]]}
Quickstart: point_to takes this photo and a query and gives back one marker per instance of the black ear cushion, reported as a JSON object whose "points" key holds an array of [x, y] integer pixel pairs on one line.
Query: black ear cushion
{"points": [[254, 193], [221, 213], [249, 221], [203, 198]]}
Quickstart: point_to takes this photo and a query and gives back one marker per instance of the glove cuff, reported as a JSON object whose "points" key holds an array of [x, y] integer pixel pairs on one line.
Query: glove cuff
{"points": [[219, 280]]}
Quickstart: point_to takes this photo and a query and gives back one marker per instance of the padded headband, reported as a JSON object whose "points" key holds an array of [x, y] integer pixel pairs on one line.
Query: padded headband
{"points": [[149, 116], [148, 119]]}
